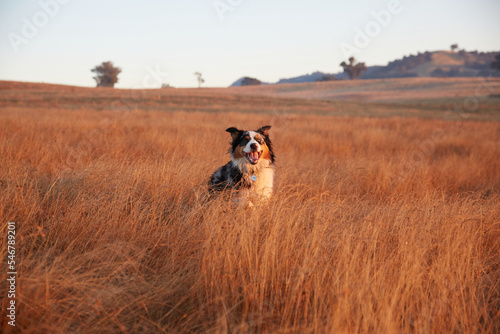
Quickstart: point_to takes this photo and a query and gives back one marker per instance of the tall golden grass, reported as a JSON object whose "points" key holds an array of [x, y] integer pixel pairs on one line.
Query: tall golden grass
{"points": [[376, 225]]}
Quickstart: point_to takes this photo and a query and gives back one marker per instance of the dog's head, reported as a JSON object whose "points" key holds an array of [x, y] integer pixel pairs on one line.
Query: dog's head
{"points": [[251, 146]]}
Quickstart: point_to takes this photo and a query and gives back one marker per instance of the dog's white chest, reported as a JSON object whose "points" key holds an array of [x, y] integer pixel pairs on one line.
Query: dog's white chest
{"points": [[262, 182]]}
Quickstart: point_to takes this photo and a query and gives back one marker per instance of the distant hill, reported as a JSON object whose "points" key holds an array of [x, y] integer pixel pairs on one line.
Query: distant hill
{"points": [[315, 76], [428, 64], [438, 64]]}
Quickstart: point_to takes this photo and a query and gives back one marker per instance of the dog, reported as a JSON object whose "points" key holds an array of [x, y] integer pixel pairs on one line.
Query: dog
{"points": [[251, 169]]}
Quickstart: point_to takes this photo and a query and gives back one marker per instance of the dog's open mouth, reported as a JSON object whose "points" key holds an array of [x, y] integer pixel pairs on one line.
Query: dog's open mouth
{"points": [[253, 157]]}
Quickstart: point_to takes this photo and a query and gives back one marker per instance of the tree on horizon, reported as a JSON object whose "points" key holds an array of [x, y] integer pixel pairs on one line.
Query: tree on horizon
{"points": [[106, 74], [352, 69], [199, 78]]}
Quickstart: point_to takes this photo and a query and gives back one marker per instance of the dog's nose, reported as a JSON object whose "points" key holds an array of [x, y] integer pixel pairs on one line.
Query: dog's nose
{"points": [[253, 146]]}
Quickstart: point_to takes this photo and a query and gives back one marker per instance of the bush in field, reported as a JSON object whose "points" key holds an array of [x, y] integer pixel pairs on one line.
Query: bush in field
{"points": [[247, 81], [496, 64]]}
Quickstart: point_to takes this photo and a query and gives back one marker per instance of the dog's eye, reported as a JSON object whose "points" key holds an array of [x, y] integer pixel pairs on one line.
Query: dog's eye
{"points": [[244, 140]]}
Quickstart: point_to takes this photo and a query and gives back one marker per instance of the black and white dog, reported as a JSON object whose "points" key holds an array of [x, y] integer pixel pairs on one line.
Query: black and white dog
{"points": [[251, 169]]}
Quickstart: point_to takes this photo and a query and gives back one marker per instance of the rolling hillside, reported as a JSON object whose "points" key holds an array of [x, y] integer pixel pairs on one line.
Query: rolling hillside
{"points": [[438, 64], [428, 64], [380, 90], [405, 97]]}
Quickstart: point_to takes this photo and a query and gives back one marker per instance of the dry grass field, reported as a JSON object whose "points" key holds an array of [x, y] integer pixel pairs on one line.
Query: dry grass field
{"points": [[386, 222], [379, 90]]}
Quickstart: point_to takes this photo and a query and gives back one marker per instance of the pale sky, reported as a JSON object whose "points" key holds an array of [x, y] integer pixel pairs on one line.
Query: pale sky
{"points": [[166, 41]]}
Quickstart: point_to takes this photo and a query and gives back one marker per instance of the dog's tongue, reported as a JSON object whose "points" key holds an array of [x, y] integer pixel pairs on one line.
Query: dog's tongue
{"points": [[254, 156]]}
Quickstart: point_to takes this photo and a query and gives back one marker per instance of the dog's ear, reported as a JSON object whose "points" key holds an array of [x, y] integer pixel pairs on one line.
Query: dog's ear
{"points": [[235, 133], [264, 130]]}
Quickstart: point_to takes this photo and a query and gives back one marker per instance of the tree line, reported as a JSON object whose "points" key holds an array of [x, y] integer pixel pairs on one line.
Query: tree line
{"points": [[106, 74]]}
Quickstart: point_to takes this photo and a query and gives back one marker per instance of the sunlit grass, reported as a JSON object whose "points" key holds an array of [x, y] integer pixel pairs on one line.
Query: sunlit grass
{"points": [[376, 225]]}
